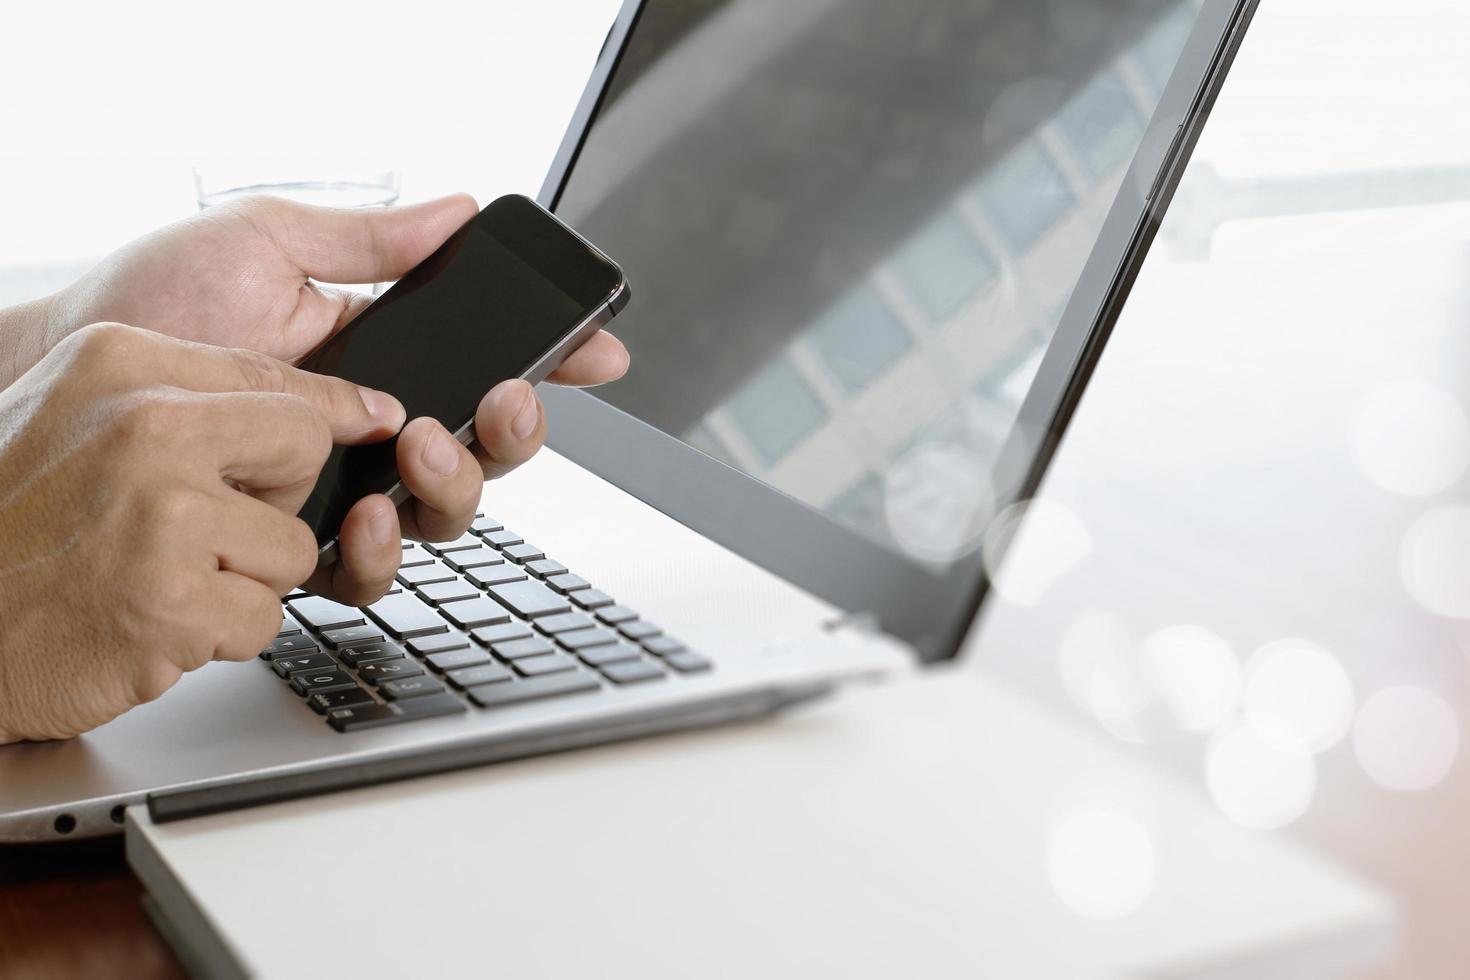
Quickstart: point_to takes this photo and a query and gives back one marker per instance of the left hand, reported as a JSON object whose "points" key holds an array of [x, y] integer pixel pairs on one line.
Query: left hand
{"points": [[247, 274]]}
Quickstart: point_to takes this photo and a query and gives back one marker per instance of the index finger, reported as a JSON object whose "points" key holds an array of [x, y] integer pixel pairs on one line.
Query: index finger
{"points": [[354, 414]]}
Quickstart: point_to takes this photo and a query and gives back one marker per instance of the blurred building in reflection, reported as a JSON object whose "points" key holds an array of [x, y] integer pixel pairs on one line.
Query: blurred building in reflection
{"points": [[852, 238]]}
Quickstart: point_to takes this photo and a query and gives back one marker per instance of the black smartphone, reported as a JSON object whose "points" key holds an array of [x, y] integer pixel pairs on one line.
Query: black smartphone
{"points": [[509, 295]]}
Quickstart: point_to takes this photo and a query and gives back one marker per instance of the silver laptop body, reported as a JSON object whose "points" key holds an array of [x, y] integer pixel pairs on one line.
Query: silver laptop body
{"points": [[876, 250]]}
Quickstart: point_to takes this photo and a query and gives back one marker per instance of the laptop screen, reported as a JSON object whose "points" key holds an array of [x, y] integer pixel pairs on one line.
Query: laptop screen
{"points": [[852, 226]]}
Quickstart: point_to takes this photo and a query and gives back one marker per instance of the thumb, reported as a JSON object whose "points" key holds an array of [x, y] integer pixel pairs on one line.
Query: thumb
{"points": [[358, 245]]}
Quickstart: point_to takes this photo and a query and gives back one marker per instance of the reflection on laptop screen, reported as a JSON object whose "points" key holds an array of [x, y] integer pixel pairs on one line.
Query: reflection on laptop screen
{"points": [[852, 226]]}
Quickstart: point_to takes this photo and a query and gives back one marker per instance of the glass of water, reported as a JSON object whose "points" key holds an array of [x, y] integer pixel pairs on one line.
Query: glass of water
{"points": [[338, 187], [330, 186]]}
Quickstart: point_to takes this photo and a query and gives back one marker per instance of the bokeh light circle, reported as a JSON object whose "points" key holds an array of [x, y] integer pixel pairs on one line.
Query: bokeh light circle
{"points": [[1297, 696], [1434, 561], [1195, 673], [1098, 664], [1030, 545], [1255, 783], [1412, 439], [1101, 863], [1406, 738]]}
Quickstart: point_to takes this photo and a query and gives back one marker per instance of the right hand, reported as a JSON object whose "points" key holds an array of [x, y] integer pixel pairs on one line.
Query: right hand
{"points": [[148, 488]]}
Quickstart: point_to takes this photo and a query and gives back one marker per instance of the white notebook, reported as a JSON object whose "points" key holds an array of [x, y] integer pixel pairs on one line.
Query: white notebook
{"points": [[937, 827]]}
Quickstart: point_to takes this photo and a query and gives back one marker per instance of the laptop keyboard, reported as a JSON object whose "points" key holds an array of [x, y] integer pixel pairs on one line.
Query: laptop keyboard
{"points": [[481, 622]]}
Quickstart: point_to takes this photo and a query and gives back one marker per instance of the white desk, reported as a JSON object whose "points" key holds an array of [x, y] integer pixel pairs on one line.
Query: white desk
{"points": [[942, 827]]}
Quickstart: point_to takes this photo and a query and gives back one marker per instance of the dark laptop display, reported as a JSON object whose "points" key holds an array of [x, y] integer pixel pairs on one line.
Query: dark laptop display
{"points": [[877, 246]]}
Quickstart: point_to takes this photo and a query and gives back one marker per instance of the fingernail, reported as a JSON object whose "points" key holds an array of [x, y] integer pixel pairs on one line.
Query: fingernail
{"points": [[380, 528], [526, 416], [383, 407], [441, 454]]}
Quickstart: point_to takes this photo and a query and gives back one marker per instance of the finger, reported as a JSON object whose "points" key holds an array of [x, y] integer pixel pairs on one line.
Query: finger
{"points": [[601, 359], [443, 477], [254, 539], [271, 446], [369, 551], [357, 245], [353, 414], [510, 426], [247, 615]]}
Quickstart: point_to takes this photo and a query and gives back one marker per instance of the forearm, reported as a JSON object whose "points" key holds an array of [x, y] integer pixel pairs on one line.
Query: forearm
{"points": [[25, 337]]}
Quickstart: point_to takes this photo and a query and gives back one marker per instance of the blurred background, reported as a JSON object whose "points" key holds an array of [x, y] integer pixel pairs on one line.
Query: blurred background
{"points": [[1250, 563]]}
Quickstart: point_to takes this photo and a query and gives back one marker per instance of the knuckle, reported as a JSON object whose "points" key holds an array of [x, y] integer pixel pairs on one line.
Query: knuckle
{"points": [[302, 551], [257, 371], [102, 345], [147, 418], [153, 679], [259, 620]]}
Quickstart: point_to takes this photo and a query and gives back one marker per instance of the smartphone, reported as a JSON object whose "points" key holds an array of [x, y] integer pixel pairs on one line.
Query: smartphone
{"points": [[509, 295]]}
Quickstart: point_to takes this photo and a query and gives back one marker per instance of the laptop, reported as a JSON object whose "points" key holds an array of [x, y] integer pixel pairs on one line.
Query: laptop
{"points": [[877, 250]]}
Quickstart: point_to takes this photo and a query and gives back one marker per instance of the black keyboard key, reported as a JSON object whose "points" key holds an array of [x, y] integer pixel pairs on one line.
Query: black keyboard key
{"points": [[464, 542], [607, 653], [285, 666], [389, 670], [687, 662], [491, 673], [640, 629], [369, 653], [551, 663], [632, 671], [409, 687], [529, 599], [312, 681], [567, 583], [548, 685], [324, 614], [288, 626], [613, 615], [424, 574], [406, 615], [502, 538], [662, 645], [531, 646], [479, 611], [495, 575], [489, 635], [478, 558], [350, 635], [287, 646], [323, 701], [591, 598], [484, 525], [562, 622], [577, 639], [451, 659], [523, 552], [438, 642], [543, 567], [411, 709], [454, 589]]}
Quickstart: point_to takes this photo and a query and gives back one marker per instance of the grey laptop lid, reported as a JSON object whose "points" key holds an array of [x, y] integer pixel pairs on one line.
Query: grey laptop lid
{"points": [[876, 249]]}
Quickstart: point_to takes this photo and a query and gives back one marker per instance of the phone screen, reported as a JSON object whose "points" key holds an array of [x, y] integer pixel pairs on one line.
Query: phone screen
{"points": [[501, 293]]}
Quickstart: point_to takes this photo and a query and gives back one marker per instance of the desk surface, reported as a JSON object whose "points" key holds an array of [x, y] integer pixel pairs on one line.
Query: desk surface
{"points": [[72, 910]]}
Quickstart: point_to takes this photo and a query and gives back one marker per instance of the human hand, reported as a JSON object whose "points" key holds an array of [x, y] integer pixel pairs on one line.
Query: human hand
{"points": [[246, 274], [151, 487]]}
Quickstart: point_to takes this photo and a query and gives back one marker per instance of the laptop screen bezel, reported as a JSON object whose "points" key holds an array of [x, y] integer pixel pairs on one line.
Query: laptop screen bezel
{"points": [[930, 610]]}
